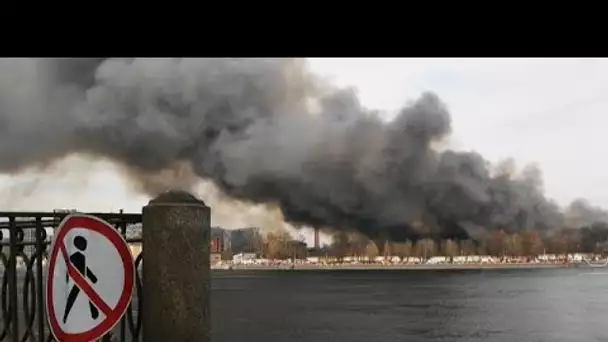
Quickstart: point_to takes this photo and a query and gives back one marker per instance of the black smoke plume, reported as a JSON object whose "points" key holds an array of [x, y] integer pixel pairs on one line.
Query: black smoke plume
{"points": [[267, 131]]}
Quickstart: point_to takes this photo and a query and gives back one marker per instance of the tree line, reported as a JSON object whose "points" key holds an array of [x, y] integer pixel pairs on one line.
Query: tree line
{"points": [[271, 245], [496, 242]]}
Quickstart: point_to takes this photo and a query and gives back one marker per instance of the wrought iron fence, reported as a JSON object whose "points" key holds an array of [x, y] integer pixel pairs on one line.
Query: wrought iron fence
{"points": [[24, 243]]}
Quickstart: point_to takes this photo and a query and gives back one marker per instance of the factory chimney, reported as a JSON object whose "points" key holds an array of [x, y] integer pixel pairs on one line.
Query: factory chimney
{"points": [[317, 238]]}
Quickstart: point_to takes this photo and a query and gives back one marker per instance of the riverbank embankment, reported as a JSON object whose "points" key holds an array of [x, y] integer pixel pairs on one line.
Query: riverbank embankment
{"points": [[332, 267]]}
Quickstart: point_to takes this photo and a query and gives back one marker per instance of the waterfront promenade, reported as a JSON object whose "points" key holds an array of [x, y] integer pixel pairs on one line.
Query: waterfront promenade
{"points": [[374, 267]]}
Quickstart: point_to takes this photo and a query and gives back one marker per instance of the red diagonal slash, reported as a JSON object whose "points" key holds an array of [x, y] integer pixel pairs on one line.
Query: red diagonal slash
{"points": [[84, 285]]}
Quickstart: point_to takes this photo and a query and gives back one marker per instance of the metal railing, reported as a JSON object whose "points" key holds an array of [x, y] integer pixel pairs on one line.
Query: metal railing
{"points": [[24, 243]]}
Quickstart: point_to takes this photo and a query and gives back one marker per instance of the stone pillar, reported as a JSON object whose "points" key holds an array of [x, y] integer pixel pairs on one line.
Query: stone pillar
{"points": [[176, 271]]}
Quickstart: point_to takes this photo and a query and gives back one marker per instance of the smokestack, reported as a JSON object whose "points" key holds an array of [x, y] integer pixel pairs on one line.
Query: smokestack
{"points": [[317, 238]]}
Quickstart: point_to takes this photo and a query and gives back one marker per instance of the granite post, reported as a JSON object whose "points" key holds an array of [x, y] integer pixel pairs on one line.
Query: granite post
{"points": [[176, 271]]}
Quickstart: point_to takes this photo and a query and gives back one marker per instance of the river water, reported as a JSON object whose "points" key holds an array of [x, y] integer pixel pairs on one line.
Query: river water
{"points": [[553, 305]]}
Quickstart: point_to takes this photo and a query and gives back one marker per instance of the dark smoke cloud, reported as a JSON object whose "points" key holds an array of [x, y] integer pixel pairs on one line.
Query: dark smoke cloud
{"points": [[268, 131]]}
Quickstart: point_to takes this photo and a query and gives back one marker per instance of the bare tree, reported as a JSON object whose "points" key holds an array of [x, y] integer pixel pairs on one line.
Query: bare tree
{"points": [[340, 245], [532, 242], [449, 248], [408, 249], [514, 245], [278, 246], [258, 244], [358, 244], [482, 245], [467, 247], [558, 243], [371, 251], [497, 243], [403, 250], [425, 248]]}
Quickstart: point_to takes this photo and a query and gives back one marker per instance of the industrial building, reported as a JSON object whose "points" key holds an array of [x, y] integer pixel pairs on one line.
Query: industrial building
{"points": [[233, 240]]}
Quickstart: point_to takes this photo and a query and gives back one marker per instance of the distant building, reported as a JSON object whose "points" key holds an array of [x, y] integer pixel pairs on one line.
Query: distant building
{"points": [[215, 258], [234, 240], [243, 240], [319, 252], [220, 240], [298, 249], [243, 258], [134, 231], [65, 210]]}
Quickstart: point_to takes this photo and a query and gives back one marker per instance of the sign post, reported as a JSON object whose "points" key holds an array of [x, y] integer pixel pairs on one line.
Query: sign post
{"points": [[90, 279]]}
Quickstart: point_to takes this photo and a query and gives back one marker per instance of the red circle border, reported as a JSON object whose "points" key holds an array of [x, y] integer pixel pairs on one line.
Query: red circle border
{"points": [[97, 225]]}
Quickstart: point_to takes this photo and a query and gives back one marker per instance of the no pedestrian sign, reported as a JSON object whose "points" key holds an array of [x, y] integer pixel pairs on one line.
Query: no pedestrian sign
{"points": [[90, 279]]}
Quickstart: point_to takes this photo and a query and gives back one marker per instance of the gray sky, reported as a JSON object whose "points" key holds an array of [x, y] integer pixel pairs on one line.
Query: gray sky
{"points": [[547, 111]]}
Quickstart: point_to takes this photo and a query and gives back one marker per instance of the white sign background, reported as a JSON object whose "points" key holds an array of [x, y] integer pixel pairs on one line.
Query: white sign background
{"points": [[104, 261]]}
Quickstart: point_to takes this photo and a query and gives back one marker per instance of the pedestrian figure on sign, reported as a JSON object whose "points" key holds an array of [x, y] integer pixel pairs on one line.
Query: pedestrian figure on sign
{"points": [[78, 259]]}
